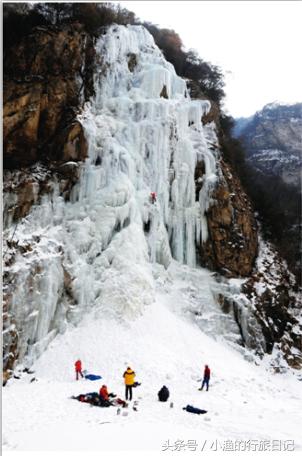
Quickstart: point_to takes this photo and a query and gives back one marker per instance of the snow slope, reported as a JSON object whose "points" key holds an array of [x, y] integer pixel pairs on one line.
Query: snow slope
{"points": [[164, 345]]}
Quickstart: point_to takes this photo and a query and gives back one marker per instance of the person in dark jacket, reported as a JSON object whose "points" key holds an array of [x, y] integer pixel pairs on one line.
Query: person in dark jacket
{"points": [[206, 378], [163, 394]]}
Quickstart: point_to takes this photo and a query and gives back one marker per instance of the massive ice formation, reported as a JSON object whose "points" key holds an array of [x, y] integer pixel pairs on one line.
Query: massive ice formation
{"points": [[140, 141], [145, 134]]}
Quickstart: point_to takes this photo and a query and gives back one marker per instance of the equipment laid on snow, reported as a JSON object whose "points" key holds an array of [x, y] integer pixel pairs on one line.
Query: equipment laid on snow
{"points": [[93, 377], [100, 401], [135, 404], [191, 409], [119, 402], [92, 399]]}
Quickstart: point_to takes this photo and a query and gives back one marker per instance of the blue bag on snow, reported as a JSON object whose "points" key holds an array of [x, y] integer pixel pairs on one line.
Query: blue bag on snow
{"points": [[92, 377]]}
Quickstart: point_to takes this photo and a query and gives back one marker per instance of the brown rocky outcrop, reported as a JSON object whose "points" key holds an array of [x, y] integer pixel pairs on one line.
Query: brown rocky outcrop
{"points": [[213, 115], [132, 62], [276, 307], [164, 93], [232, 244], [47, 77], [24, 187], [196, 93]]}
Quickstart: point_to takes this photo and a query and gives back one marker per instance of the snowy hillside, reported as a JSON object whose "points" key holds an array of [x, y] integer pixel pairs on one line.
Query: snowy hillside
{"points": [[244, 402]]}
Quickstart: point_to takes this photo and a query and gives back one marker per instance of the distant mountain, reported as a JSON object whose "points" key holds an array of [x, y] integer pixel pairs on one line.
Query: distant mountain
{"points": [[273, 140]]}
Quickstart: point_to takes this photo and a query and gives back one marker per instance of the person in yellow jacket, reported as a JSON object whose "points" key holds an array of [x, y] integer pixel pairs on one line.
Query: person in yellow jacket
{"points": [[129, 376]]}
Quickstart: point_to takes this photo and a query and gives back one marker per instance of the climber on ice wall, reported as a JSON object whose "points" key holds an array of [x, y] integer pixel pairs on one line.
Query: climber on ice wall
{"points": [[153, 197]]}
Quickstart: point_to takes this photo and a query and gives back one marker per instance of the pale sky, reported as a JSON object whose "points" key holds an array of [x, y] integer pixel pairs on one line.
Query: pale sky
{"points": [[256, 43]]}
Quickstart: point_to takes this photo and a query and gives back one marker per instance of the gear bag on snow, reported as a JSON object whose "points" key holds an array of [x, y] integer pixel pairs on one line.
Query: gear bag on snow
{"points": [[92, 377], [191, 409]]}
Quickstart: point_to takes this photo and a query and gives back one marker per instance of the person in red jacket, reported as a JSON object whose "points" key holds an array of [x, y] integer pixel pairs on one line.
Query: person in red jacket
{"points": [[153, 197], [78, 369], [206, 378], [104, 393]]}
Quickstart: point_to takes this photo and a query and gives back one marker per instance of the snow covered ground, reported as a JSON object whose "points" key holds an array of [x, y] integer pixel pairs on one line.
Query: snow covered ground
{"points": [[164, 345]]}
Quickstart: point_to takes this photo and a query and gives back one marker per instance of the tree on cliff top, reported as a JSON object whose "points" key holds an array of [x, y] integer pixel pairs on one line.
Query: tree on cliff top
{"points": [[187, 63], [19, 20]]}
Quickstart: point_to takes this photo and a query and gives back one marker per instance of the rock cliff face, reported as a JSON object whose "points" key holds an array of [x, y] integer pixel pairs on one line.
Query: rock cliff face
{"points": [[272, 138], [276, 307], [47, 76], [267, 310], [232, 245]]}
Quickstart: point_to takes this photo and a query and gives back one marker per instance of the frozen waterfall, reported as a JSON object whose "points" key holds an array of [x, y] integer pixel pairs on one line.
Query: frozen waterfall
{"points": [[140, 141], [145, 135]]}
